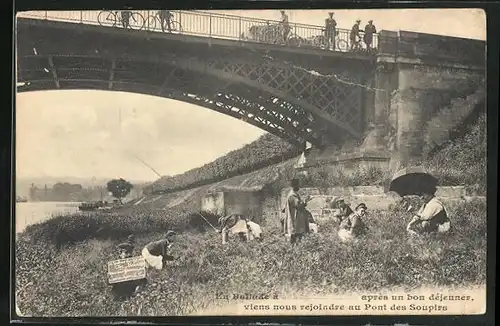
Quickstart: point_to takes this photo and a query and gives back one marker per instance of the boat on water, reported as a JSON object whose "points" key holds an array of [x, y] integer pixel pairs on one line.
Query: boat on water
{"points": [[92, 206], [20, 199]]}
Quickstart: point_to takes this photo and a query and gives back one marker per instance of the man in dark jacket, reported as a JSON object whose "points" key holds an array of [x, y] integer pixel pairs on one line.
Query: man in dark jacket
{"points": [[330, 31], [354, 36], [369, 31], [155, 253]]}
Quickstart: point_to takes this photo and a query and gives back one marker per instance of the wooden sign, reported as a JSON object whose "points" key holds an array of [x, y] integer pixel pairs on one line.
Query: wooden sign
{"points": [[128, 269]]}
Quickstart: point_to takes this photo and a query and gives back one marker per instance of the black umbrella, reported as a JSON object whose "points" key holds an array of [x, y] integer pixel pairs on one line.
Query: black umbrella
{"points": [[413, 181]]}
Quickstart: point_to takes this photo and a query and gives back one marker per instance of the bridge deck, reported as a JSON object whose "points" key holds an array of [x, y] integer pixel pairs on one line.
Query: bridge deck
{"points": [[213, 28]]}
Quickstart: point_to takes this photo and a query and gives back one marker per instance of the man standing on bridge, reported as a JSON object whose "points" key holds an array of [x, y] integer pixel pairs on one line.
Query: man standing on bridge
{"points": [[368, 37], [354, 36], [126, 18], [330, 31], [285, 25], [165, 18]]}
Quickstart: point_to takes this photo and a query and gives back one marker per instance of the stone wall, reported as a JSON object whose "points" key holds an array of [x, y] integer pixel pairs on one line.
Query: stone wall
{"points": [[213, 202], [348, 163], [374, 197]]}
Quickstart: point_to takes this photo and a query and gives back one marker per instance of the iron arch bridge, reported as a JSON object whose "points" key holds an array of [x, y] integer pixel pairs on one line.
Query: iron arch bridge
{"points": [[288, 100]]}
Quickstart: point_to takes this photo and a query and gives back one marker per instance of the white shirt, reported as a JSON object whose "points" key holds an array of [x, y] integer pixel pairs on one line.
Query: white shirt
{"points": [[431, 209]]}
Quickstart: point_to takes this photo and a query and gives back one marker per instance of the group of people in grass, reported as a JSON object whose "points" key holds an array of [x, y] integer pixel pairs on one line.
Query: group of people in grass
{"points": [[432, 216], [297, 221]]}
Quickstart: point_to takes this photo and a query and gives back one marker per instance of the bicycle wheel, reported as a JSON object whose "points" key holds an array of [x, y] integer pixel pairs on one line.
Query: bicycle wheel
{"points": [[320, 42], [106, 18], [269, 37], [137, 21], [294, 40], [176, 26], [151, 23], [342, 45]]}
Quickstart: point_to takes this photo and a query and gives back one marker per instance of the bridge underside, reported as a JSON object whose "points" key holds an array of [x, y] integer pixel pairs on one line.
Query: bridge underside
{"points": [[296, 106]]}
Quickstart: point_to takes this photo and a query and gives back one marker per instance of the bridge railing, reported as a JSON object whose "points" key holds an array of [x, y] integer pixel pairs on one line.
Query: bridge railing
{"points": [[214, 25]]}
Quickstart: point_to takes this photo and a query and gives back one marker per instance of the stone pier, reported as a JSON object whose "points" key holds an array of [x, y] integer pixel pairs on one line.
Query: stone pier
{"points": [[416, 75]]}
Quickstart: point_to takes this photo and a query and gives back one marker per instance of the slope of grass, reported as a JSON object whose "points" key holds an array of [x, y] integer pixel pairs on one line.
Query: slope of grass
{"points": [[266, 150], [463, 160], [71, 280]]}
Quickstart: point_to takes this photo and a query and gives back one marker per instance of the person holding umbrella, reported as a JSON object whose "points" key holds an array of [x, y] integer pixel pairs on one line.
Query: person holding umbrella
{"points": [[431, 217]]}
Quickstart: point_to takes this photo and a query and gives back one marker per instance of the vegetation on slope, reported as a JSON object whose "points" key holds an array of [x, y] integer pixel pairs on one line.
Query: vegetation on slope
{"points": [[463, 159], [267, 150]]}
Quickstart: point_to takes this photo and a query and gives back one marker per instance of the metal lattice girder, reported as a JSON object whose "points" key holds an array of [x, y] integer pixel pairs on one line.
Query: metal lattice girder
{"points": [[261, 115], [339, 96], [146, 70], [272, 111]]}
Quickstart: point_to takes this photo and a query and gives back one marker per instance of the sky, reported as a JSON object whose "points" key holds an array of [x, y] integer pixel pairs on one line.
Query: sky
{"points": [[102, 134]]}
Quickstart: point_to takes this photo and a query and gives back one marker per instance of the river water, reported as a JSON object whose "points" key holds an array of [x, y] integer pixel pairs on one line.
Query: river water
{"points": [[35, 212]]}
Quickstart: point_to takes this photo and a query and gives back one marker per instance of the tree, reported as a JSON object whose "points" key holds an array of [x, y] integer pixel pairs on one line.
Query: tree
{"points": [[119, 188]]}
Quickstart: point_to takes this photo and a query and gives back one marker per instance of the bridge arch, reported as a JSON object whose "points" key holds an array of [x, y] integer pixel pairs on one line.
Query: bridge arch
{"points": [[293, 103]]}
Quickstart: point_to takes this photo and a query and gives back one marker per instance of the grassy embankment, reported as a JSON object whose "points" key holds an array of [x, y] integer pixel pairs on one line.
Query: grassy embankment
{"points": [[57, 277]]}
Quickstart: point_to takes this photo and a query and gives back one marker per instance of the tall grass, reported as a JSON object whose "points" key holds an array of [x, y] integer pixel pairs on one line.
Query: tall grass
{"points": [[71, 280]]}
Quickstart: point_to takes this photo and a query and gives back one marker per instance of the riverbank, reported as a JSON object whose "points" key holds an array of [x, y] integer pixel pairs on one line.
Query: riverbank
{"points": [[69, 279]]}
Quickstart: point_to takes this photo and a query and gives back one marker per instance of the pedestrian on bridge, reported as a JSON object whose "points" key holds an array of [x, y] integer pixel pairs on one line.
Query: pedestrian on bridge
{"points": [[165, 19], [330, 31], [354, 36], [126, 18], [369, 31], [286, 26]]}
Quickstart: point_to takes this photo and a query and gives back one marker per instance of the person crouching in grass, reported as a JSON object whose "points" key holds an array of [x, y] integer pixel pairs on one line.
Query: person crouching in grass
{"points": [[126, 248], [353, 226], [128, 288], [155, 253], [432, 216]]}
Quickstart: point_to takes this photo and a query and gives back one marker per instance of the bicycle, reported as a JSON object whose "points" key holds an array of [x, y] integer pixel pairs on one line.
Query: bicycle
{"points": [[113, 18], [155, 19], [357, 45], [273, 34], [340, 43]]}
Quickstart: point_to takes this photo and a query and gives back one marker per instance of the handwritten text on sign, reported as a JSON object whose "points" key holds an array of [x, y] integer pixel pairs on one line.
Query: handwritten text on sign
{"points": [[127, 269]]}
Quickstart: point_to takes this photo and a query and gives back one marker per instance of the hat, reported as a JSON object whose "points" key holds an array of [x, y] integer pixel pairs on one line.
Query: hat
{"points": [[170, 233], [362, 205], [126, 246]]}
